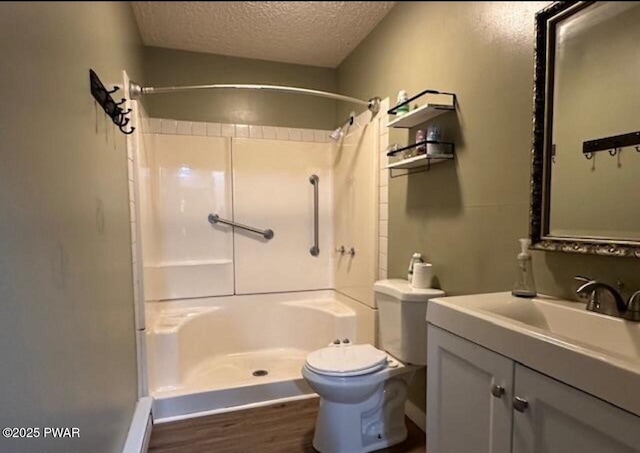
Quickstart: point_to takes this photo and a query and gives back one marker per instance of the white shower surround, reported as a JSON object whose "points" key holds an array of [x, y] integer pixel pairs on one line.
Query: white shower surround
{"points": [[192, 399], [263, 183]]}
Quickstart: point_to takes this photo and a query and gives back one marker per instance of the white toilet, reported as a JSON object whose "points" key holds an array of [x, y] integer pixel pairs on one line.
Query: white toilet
{"points": [[363, 389]]}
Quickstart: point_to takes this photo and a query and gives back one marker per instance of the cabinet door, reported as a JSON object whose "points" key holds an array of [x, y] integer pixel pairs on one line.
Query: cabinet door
{"points": [[463, 415], [560, 419]]}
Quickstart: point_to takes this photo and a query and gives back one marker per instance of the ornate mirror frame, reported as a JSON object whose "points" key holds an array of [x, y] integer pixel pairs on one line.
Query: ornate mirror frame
{"points": [[541, 163]]}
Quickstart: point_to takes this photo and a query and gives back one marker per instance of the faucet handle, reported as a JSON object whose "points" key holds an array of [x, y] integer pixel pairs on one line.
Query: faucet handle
{"points": [[583, 280]]}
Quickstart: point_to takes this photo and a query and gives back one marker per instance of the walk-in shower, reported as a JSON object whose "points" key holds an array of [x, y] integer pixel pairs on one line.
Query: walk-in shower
{"points": [[238, 235]]}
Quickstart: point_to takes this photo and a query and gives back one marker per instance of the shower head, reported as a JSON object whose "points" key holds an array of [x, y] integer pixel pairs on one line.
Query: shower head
{"points": [[336, 135]]}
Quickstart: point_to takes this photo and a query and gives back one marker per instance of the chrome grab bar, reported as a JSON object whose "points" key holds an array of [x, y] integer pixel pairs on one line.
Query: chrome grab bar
{"points": [[315, 250], [215, 218]]}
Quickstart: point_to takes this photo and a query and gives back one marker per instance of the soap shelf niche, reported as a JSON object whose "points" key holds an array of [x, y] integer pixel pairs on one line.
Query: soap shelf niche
{"points": [[421, 162], [440, 103]]}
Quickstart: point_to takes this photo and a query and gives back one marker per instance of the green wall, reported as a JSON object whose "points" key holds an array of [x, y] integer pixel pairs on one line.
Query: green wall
{"points": [[166, 67], [66, 293], [467, 215]]}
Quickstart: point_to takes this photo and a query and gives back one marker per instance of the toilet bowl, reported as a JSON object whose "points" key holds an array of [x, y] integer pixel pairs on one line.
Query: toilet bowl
{"points": [[362, 394], [362, 388]]}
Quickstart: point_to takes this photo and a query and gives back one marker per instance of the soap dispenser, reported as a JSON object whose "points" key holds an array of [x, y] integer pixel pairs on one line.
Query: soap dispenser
{"points": [[525, 284]]}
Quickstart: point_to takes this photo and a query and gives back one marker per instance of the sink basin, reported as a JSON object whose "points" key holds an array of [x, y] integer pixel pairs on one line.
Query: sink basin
{"points": [[596, 353], [570, 321]]}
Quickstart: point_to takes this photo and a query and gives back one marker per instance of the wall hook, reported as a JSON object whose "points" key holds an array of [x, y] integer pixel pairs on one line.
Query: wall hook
{"points": [[589, 156], [129, 132], [613, 152], [110, 107]]}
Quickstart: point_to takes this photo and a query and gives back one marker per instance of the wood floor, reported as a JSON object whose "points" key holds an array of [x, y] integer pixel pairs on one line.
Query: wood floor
{"points": [[281, 428]]}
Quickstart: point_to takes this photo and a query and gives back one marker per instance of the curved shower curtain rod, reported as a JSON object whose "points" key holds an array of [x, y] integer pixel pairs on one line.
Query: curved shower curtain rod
{"points": [[137, 91]]}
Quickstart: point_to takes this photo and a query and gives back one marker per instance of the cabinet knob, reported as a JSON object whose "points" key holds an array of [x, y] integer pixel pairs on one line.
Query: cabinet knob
{"points": [[497, 390], [520, 404]]}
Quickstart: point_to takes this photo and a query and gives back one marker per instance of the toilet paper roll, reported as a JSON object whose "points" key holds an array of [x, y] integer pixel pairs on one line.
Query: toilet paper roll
{"points": [[422, 275]]}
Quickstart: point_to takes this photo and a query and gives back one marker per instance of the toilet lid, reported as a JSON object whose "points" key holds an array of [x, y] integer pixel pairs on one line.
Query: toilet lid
{"points": [[346, 360]]}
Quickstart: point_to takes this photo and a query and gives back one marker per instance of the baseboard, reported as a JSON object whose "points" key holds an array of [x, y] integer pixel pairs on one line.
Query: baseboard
{"points": [[416, 415], [140, 429]]}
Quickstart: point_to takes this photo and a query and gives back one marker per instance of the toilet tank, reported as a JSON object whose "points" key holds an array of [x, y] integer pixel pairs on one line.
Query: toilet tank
{"points": [[402, 324]]}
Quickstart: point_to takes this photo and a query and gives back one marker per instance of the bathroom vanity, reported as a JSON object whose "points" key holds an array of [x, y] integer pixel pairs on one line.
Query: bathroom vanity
{"points": [[530, 375]]}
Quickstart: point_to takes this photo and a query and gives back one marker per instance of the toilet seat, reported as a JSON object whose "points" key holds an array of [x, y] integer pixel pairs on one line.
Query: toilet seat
{"points": [[346, 360]]}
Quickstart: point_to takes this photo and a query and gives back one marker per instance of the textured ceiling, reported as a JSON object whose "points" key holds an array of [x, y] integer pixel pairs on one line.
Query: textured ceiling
{"points": [[310, 33]]}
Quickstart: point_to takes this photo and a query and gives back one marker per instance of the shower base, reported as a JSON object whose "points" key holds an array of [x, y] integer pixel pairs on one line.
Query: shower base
{"points": [[219, 354], [234, 380]]}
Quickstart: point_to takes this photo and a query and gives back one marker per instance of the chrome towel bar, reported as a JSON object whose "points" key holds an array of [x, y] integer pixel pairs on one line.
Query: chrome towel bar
{"points": [[215, 218]]}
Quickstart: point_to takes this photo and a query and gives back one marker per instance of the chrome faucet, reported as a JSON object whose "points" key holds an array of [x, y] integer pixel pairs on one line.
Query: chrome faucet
{"points": [[594, 290]]}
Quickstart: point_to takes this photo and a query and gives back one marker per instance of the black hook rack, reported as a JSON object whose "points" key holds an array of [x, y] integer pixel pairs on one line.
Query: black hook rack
{"points": [[613, 144], [110, 107]]}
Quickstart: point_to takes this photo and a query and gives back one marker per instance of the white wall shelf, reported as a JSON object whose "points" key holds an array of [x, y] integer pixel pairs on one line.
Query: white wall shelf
{"points": [[418, 161], [420, 115], [436, 103], [433, 152]]}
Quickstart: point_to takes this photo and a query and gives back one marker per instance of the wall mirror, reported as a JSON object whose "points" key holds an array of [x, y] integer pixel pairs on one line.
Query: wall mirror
{"points": [[585, 186]]}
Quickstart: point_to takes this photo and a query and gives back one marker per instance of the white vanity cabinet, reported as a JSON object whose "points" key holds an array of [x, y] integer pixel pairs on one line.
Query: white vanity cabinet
{"points": [[559, 418], [482, 402], [462, 413]]}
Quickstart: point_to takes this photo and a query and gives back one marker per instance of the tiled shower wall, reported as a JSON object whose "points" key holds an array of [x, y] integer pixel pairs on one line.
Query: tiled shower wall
{"points": [[167, 126], [135, 143], [383, 200]]}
